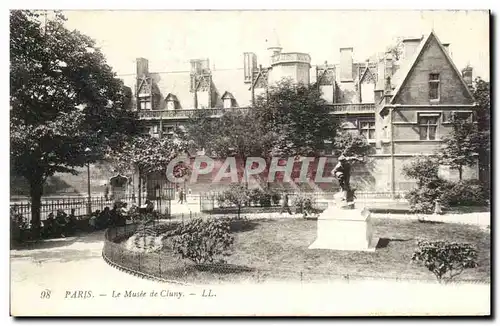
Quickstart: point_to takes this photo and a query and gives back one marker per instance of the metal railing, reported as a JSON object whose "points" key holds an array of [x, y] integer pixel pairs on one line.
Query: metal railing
{"points": [[342, 108], [291, 57], [346, 108], [181, 114], [79, 204], [319, 200]]}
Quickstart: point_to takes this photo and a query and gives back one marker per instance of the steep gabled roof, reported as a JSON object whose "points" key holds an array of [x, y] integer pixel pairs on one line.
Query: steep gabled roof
{"points": [[367, 73], [401, 76], [144, 80], [172, 97], [227, 95], [261, 75]]}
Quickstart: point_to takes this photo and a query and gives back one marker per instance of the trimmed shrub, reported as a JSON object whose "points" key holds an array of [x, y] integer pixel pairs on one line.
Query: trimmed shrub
{"points": [[444, 259], [204, 241], [303, 203], [429, 186], [423, 199], [465, 193], [275, 198], [254, 196], [18, 225], [264, 198]]}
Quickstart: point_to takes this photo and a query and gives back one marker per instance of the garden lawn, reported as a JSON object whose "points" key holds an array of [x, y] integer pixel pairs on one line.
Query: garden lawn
{"points": [[281, 247], [277, 250]]}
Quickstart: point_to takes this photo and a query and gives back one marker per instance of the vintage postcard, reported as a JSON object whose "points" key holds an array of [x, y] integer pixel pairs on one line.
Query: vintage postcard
{"points": [[250, 163]]}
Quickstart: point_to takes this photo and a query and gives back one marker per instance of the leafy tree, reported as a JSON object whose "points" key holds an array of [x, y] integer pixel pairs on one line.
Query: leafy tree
{"points": [[445, 260], [146, 154], [236, 133], [297, 117], [237, 195], [291, 120], [198, 131], [396, 49], [424, 169], [461, 145], [481, 92], [64, 101], [351, 144]]}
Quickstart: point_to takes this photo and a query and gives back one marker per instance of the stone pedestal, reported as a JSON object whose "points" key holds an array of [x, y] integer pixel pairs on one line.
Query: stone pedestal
{"points": [[346, 228]]}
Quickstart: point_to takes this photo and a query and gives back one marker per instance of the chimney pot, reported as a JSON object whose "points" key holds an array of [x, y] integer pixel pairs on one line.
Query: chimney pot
{"points": [[410, 45]]}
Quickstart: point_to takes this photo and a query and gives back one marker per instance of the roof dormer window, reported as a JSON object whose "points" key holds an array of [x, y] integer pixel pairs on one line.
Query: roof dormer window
{"points": [[172, 102], [228, 100]]}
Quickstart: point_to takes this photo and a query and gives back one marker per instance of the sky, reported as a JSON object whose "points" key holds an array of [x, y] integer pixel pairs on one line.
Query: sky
{"points": [[169, 39]]}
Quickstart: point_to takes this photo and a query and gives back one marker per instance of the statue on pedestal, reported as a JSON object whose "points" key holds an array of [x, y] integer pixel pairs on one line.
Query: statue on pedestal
{"points": [[342, 171]]}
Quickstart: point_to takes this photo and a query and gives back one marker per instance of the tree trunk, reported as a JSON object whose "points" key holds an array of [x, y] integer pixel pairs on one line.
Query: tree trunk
{"points": [[245, 176], [460, 171], [139, 188], [484, 167], [268, 162], [36, 191]]}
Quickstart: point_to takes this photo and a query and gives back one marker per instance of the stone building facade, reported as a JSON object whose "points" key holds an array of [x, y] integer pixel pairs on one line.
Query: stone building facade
{"points": [[403, 107]]}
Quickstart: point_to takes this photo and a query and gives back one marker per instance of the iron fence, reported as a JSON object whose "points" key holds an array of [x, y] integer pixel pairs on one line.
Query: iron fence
{"points": [[319, 200], [80, 205]]}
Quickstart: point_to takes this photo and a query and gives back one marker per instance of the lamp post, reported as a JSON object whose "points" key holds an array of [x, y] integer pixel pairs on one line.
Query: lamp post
{"points": [[89, 208]]}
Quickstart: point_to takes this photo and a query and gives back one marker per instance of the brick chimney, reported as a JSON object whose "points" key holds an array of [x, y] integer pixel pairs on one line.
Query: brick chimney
{"points": [[467, 75], [388, 90], [410, 45], [388, 65], [142, 67], [346, 64]]}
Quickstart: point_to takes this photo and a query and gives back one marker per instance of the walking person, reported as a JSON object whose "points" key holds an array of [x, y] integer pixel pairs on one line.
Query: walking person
{"points": [[106, 192], [181, 196], [285, 206]]}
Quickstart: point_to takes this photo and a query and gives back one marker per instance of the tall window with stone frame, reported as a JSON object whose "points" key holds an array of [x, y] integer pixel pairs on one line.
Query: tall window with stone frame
{"points": [[434, 87], [367, 129], [428, 124]]}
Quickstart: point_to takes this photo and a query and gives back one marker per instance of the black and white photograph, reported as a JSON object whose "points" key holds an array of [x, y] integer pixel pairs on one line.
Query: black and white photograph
{"points": [[250, 163]]}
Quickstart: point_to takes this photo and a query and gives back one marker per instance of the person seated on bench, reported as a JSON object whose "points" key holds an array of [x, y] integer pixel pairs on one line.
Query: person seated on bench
{"points": [[124, 213], [104, 218], [71, 222], [148, 207], [48, 226]]}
